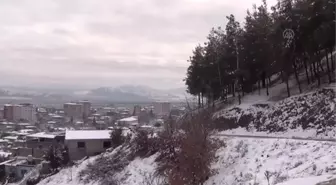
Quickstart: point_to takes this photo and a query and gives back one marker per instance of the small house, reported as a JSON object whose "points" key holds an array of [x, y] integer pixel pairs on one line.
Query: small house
{"points": [[45, 139], [83, 143], [19, 166]]}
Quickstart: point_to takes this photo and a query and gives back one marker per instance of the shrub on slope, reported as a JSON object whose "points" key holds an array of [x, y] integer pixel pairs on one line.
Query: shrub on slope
{"points": [[185, 158]]}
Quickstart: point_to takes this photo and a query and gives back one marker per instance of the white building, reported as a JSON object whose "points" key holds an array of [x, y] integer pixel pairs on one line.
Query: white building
{"points": [[130, 121], [83, 143], [73, 110], [162, 108]]}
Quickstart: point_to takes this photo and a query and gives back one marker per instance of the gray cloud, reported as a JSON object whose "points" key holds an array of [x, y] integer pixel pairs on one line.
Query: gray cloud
{"points": [[92, 43]]}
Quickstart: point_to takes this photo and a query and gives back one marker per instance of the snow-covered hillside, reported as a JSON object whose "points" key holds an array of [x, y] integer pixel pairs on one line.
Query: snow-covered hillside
{"points": [[311, 114], [245, 161], [135, 173], [241, 162]]}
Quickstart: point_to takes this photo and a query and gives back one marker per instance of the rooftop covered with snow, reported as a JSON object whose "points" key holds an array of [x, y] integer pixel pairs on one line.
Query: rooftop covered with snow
{"points": [[129, 119], [44, 135], [87, 134]]}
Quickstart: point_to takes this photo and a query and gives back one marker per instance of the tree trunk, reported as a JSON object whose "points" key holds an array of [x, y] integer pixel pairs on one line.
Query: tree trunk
{"points": [[267, 84], [297, 76], [315, 69], [282, 76], [259, 87], [312, 74], [263, 78], [306, 69], [320, 65], [202, 100], [328, 68], [199, 100], [233, 89], [317, 73], [287, 85], [242, 85], [318, 79], [208, 100], [332, 61]]}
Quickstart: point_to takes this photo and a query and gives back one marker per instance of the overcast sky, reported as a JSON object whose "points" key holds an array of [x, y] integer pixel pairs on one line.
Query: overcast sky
{"points": [[93, 43]]}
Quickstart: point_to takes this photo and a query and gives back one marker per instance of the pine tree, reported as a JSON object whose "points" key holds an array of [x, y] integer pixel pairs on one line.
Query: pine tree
{"points": [[259, 49]]}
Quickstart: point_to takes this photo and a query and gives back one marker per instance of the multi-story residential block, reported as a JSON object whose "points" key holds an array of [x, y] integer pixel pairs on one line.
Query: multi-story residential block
{"points": [[73, 110], [9, 112], [162, 108], [86, 108], [19, 112], [136, 110]]}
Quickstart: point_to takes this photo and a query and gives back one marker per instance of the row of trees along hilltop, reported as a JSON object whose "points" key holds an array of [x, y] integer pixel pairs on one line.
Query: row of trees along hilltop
{"points": [[243, 57]]}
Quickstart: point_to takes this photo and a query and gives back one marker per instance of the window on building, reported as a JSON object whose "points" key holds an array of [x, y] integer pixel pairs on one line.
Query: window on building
{"points": [[80, 144], [107, 144]]}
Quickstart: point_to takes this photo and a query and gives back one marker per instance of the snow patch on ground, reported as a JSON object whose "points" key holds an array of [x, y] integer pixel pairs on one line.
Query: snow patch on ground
{"points": [[309, 180], [137, 170], [69, 176], [134, 173], [245, 161], [298, 132]]}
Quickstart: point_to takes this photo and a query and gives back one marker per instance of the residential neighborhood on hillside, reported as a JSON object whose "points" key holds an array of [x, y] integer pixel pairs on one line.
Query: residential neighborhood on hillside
{"points": [[28, 131]]}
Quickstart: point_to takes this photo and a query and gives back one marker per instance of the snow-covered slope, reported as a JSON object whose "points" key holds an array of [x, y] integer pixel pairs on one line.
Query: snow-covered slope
{"points": [[245, 161], [314, 111], [241, 162], [69, 176], [314, 180], [135, 173]]}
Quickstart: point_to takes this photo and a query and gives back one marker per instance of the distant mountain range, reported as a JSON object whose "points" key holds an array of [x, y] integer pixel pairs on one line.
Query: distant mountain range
{"points": [[126, 93], [136, 93]]}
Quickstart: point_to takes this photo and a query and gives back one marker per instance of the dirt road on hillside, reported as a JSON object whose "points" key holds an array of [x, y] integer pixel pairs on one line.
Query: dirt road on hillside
{"points": [[274, 137]]}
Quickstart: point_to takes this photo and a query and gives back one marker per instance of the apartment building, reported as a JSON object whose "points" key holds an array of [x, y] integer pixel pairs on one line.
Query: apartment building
{"points": [[17, 112], [27, 112], [86, 108], [162, 108], [73, 110], [9, 112], [136, 110]]}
